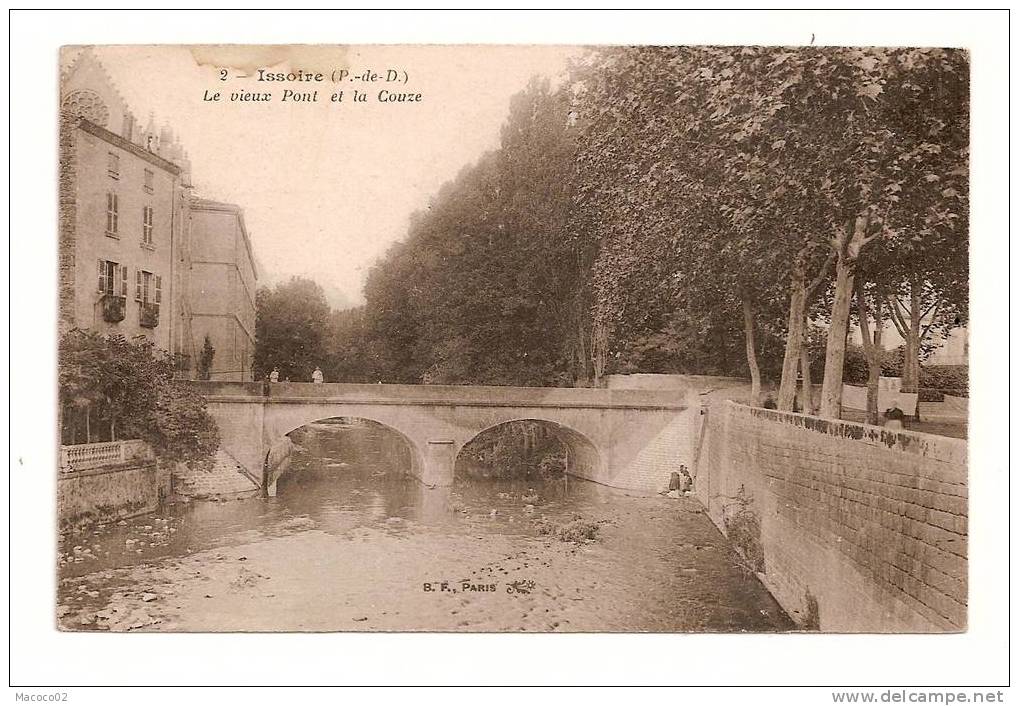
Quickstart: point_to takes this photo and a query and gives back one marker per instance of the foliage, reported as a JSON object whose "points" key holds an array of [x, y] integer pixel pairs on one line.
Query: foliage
{"points": [[724, 174], [111, 388], [578, 530], [184, 430], [855, 369], [513, 450], [660, 208], [743, 528], [945, 377], [291, 324], [485, 288]]}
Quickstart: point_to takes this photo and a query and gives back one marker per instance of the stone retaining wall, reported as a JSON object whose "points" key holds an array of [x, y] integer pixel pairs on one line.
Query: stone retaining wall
{"points": [[854, 528], [109, 493], [226, 477]]}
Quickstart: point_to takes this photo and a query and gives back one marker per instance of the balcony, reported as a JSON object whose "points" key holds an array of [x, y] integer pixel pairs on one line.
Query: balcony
{"points": [[148, 315], [114, 308]]}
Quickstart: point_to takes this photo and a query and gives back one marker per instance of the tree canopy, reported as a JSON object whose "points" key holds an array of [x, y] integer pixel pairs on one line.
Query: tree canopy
{"points": [[675, 209]]}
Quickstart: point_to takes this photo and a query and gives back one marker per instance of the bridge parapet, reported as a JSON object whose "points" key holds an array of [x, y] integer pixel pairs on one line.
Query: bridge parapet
{"points": [[449, 395]]}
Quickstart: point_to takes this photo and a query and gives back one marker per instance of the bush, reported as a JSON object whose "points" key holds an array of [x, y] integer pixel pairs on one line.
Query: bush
{"points": [[111, 388], [854, 369], [577, 531], [953, 379]]}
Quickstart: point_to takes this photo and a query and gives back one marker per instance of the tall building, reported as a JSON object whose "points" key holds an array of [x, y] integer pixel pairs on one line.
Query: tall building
{"points": [[219, 290], [140, 254]]}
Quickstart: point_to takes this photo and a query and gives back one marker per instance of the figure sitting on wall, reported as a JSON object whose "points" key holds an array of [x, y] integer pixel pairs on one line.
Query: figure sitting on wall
{"points": [[317, 376], [769, 402], [894, 416], [274, 376]]}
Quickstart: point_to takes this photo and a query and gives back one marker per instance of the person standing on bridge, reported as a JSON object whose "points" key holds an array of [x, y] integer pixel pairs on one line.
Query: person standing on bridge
{"points": [[274, 376], [317, 377]]}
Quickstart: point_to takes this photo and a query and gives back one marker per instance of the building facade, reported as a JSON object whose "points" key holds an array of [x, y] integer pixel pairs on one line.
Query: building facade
{"points": [[219, 291], [140, 254]]}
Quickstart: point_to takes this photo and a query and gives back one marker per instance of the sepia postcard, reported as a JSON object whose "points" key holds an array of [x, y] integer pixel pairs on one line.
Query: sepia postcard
{"points": [[513, 338]]}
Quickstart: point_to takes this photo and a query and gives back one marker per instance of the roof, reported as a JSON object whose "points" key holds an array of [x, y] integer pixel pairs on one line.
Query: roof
{"points": [[124, 144]]}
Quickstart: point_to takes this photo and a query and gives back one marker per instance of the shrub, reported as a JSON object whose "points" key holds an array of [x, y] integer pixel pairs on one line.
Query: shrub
{"points": [[945, 377], [854, 370], [577, 530], [111, 388]]}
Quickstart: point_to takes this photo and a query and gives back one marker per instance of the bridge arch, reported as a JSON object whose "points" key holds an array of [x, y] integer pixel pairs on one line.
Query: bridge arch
{"points": [[281, 444], [583, 459]]}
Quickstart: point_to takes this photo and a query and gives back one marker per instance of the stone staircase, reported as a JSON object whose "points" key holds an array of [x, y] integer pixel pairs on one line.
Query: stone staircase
{"points": [[227, 477]]}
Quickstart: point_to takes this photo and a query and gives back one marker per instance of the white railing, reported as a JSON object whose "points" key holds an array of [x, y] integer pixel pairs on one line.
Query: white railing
{"points": [[108, 453]]}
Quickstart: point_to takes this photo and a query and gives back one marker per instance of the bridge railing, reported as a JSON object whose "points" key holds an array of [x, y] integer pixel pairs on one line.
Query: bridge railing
{"points": [[483, 395]]}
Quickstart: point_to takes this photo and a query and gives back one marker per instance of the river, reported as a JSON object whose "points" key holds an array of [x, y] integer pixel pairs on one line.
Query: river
{"points": [[353, 543]]}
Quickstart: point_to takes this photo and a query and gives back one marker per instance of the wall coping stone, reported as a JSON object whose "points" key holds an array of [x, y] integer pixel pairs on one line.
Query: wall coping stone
{"points": [[940, 448]]}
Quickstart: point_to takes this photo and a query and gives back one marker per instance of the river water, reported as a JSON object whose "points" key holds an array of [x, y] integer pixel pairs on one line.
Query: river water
{"points": [[352, 543]]}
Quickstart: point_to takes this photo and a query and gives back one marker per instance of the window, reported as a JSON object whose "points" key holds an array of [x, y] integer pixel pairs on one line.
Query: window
{"points": [[111, 214], [112, 279], [147, 225], [149, 179], [148, 288], [113, 165]]}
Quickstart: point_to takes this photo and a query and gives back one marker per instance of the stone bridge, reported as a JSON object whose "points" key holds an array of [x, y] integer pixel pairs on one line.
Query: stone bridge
{"points": [[621, 438]]}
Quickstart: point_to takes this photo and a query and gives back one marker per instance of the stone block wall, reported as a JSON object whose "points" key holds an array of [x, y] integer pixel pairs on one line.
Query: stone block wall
{"points": [[226, 477], [108, 493], [68, 195], [853, 528]]}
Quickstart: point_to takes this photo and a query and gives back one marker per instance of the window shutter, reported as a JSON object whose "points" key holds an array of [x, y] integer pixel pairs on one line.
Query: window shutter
{"points": [[137, 285], [159, 289], [114, 213], [102, 276], [123, 281]]}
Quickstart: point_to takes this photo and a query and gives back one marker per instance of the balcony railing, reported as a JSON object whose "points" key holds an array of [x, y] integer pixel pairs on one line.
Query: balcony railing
{"points": [[148, 315], [114, 308], [80, 457]]}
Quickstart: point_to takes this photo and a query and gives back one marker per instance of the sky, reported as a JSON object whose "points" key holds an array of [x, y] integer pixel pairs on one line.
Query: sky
{"points": [[327, 187]]}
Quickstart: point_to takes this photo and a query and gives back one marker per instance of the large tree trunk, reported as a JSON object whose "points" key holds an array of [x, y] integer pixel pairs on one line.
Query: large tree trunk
{"points": [[794, 337], [755, 370], [599, 351], [848, 242], [835, 353], [807, 394], [582, 377], [872, 347], [911, 360]]}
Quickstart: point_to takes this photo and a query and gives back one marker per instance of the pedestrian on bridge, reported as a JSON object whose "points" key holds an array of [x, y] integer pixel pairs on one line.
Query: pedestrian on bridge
{"points": [[317, 377], [274, 376]]}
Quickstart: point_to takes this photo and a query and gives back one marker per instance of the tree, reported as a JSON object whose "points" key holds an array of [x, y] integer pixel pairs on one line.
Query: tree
{"points": [[809, 156], [125, 389], [205, 361], [291, 324], [489, 285], [669, 196]]}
